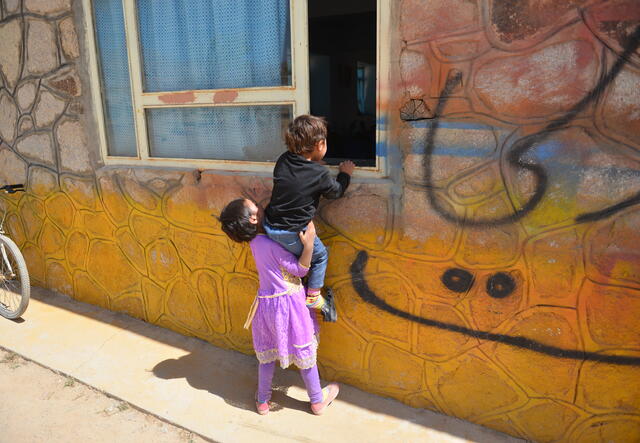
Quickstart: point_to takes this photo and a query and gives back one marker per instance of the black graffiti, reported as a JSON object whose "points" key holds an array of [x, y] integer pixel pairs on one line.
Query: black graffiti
{"points": [[500, 285], [415, 109], [368, 296], [607, 212], [516, 154], [457, 280]]}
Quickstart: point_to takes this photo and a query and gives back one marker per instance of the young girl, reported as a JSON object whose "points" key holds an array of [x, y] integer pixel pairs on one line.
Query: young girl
{"points": [[283, 328]]}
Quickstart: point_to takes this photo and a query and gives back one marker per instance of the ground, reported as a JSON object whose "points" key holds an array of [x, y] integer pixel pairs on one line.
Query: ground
{"points": [[39, 404], [181, 380]]}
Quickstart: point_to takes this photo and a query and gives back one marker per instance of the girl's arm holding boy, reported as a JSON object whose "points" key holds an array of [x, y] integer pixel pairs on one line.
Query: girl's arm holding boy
{"points": [[300, 267], [307, 238]]}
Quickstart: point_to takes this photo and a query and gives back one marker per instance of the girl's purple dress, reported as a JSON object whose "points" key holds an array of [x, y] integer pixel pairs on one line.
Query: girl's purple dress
{"points": [[283, 327]]}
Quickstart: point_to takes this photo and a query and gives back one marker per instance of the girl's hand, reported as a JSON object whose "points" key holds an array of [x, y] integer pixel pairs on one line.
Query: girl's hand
{"points": [[307, 237]]}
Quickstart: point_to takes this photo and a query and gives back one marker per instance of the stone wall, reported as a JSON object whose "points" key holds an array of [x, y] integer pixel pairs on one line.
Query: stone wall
{"points": [[495, 276]]}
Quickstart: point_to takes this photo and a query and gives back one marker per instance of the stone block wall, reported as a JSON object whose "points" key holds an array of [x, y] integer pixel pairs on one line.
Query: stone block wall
{"points": [[494, 276]]}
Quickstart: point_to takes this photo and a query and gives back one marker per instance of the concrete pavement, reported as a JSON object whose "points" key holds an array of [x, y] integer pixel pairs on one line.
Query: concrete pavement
{"points": [[205, 389]]}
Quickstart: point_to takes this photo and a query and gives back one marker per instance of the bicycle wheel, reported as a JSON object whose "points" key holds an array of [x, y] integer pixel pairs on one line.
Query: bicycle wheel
{"points": [[14, 280]]}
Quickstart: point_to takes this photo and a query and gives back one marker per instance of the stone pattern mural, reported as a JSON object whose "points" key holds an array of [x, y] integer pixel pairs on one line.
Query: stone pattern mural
{"points": [[527, 323], [520, 187]]}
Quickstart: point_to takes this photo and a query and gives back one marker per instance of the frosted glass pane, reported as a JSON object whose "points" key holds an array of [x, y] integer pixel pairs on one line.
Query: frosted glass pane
{"points": [[114, 69], [214, 44], [251, 133]]}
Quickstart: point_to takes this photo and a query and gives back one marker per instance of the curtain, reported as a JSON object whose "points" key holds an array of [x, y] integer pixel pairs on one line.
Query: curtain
{"points": [[214, 44], [252, 133], [114, 69]]}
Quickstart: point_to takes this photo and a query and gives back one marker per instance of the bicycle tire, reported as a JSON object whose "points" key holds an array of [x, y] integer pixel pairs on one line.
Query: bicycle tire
{"points": [[11, 284]]}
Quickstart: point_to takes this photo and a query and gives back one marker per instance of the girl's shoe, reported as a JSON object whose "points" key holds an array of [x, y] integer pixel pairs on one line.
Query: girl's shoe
{"points": [[262, 408], [329, 393]]}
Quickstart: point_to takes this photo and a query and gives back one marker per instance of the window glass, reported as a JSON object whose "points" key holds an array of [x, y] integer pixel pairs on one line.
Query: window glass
{"points": [[214, 44], [114, 69], [251, 133], [366, 88]]}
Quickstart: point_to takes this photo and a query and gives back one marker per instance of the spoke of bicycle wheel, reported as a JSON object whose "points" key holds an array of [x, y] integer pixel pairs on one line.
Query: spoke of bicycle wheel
{"points": [[9, 299], [10, 286]]}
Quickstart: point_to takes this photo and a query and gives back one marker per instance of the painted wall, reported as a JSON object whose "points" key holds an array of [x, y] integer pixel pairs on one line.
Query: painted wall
{"points": [[495, 276]]}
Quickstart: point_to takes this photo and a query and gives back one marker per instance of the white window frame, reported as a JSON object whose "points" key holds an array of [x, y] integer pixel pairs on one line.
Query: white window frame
{"points": [[296, 95]]}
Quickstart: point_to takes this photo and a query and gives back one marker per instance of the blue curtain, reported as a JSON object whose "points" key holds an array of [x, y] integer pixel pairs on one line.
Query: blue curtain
{"points": [[366, 88], [214, 44], [222, 132], [114, 68]]}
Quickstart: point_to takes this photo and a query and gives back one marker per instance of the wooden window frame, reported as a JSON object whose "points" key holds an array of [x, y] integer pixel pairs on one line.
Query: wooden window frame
{"points": [[296, 95]]}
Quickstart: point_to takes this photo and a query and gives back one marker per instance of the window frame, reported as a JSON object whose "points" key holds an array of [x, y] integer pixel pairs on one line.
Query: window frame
{"points": [[297, 94]]}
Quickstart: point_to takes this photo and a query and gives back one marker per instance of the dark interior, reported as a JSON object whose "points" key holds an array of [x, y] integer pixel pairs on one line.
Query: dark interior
{"points": [[342, 71]]}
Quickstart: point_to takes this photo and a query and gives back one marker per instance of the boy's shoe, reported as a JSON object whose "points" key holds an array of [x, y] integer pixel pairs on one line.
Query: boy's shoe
{"points": [[329, 393], [329, 312], [262, 408]]}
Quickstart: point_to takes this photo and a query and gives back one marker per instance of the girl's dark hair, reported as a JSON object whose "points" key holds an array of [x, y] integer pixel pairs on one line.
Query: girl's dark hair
{"points": [[235, 222], [304, 132]]}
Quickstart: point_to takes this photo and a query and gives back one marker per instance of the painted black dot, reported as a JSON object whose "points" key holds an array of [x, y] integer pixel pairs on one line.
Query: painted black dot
{"points": [[458, 280], [500, 285]]}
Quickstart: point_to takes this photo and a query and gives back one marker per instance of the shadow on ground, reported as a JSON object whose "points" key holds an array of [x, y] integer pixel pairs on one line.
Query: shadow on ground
{"points": [[232, 375], [197, 370]]}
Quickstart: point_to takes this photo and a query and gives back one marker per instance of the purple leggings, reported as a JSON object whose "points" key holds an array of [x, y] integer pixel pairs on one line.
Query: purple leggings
{"points": [[310, 378]]}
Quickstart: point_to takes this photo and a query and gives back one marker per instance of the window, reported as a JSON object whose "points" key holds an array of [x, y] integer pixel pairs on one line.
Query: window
{"points": [[342, 70], [208, 83]]}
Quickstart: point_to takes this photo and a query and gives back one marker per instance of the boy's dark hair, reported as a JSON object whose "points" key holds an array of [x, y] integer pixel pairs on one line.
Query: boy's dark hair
{"points": [[304, 132], [235, 222]]}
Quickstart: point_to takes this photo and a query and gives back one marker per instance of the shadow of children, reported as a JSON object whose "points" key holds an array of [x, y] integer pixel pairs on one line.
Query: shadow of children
{"points": [[235, 384]]}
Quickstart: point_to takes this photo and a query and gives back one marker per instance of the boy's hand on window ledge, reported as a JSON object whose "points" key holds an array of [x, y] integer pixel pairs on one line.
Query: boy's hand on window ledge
{"points": [[347, 167]]}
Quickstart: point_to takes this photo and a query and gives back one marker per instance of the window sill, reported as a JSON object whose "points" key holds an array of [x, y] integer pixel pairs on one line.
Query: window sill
{"points": [[232, 167]]}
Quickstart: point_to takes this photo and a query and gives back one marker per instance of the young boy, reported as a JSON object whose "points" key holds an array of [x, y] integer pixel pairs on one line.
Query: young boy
{"points": [[298, 182]]}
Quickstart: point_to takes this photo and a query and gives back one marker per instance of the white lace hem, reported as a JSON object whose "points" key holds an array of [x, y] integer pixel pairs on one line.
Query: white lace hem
{"points": [[271, 355]]}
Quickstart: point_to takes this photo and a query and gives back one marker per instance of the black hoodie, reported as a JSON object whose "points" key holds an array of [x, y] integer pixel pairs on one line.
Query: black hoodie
{"points": [[298, 184]]}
